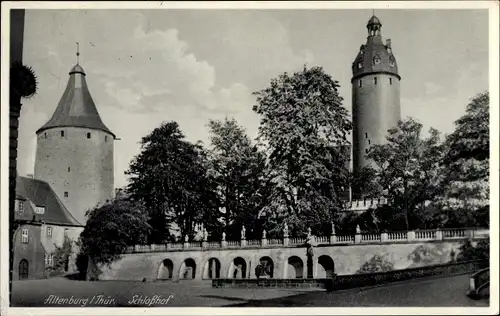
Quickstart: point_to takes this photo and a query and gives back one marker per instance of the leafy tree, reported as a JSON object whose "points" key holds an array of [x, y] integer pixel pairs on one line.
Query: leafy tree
{"points": [[111, 228], [408, 173], [304, 127], [170, 177], [465, 200], [480, 252], [237, 168], [60, 257]]}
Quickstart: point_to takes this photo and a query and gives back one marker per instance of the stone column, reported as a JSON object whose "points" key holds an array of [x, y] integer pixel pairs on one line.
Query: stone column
{"points": [[223, 242], [264, 238], [410, 236], [384, 237]]}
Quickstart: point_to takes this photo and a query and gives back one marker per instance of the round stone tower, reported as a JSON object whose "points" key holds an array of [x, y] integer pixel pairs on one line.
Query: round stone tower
{"points": [[375, 94], [75, 150]]}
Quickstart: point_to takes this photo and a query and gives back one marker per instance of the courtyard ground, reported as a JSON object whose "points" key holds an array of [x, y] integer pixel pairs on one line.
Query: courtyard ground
{"points": [[428, 292]]}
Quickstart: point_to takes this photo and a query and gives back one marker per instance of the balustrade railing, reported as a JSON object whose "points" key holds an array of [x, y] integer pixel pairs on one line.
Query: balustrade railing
{"points": [[397, 236], [345, 239], [390, 237], [425, 234], [370, 237]]}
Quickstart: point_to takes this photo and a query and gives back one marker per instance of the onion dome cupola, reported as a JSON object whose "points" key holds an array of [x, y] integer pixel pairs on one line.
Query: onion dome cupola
{"points": [[76, 107], [375, 56]]}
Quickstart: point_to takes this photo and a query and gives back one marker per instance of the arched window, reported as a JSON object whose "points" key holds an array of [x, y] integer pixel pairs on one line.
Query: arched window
{"points": [[23, 269], [88, 135]]}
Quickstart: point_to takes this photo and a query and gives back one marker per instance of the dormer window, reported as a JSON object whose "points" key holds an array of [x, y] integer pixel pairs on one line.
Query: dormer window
{"points": [[360, 65], [391, 61], [40, 210], [20, 206], [376, 60]]}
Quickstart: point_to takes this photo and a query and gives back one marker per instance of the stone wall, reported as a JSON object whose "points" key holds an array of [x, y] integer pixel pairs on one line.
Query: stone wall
{"points": [[286, 262]]}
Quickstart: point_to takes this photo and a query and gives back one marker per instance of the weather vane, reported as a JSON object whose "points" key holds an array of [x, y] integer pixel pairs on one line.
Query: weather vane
{"points": [[77, 53]]}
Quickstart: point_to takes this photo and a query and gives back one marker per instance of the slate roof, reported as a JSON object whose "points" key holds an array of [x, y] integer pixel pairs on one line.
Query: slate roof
{"points": [[39, 193], [76, 107], [373, 48]]}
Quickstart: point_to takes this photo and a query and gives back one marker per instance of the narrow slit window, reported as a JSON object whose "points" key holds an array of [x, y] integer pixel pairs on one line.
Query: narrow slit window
{"points": [[66, 194], [62, 133], [69, 169], [366, 151], [49, 231], [88, 135], [361, 83], [369, 142], [366, 135], [45, 135], [375, 81], [390, 81], [105, 138]]}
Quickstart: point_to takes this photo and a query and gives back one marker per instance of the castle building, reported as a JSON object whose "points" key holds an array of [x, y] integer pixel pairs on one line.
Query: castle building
{"points": [[43, 223], [74, 152], [73, 174], [375, 95]]}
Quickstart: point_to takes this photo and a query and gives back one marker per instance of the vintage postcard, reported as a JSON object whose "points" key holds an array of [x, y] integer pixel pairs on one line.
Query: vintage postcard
{"points": [[248, 157]]}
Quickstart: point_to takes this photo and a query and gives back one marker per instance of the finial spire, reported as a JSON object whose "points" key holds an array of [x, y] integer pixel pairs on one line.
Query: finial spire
{"points": [[373, 11], [77, 53]]}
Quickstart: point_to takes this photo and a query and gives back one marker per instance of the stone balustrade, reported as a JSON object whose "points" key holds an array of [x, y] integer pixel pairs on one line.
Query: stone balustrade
{"points": [[359, 238]]}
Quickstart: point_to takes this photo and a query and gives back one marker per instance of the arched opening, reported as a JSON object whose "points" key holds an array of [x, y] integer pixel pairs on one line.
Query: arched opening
{"points": [[23, 269], [265, 269], [166, 270], [326, 267], [295, 268], [212, 269], [188, 269], [238, 269]]}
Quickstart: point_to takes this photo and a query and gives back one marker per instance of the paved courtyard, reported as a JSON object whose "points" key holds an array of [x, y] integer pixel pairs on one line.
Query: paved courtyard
{"points": [[432, 292]]}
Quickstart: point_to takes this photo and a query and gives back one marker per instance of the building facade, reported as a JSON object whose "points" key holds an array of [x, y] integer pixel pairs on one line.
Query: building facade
{"points": [[375, 95], [74, 152], [44, 223]]}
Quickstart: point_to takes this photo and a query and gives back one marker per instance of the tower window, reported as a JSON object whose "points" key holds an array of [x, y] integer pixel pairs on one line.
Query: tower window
{"points": [[369, 142], [366, 135], [390, 81], [62, 133], [366, 151], [375, 80], [88, 135], [45, 135], [66, 194], [49, 231], [360, 83], [105, 138], [69, 169]]}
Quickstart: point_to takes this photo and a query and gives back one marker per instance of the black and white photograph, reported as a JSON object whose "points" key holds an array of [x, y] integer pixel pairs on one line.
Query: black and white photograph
{"points": [[236, 155]]}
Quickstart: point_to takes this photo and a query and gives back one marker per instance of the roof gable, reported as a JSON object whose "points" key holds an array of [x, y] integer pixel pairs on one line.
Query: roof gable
{"points": [[39, 193]]}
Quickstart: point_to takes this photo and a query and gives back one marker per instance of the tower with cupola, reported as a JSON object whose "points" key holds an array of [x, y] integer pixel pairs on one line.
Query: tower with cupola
{"points": [[375, 95], [75, 150]]}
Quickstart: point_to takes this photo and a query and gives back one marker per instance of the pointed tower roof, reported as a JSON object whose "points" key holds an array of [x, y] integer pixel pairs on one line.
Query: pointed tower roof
{"points": [[76, 107], [375, 56]]}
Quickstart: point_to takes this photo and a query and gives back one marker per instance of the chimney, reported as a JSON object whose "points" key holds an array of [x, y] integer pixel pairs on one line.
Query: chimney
{"points": [[29, 175], [388, 43]]}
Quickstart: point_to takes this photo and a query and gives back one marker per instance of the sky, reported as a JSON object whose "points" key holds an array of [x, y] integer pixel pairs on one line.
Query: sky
{"points": [[152, 66]]}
